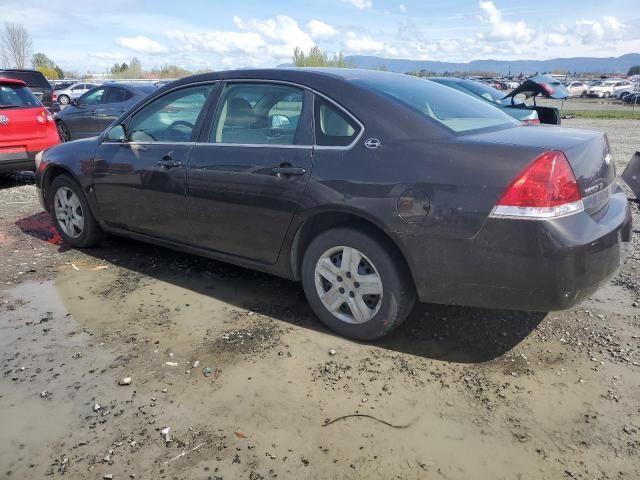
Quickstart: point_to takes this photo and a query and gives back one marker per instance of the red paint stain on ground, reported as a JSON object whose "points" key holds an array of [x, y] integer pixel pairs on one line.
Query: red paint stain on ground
{"points": [[40, 226]]}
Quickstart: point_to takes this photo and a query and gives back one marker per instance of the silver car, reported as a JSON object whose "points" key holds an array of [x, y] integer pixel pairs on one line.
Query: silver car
{"points": [[74, 91]]}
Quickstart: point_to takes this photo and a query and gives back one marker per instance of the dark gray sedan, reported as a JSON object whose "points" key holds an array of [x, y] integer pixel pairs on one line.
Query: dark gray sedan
{"points": [[371, 188], [98, 108]]}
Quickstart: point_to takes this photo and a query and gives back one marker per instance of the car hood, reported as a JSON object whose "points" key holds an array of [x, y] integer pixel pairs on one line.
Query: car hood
{"points": [[541, 85]]}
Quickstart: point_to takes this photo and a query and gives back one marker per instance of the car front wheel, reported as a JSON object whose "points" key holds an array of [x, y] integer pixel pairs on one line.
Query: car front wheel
{"points": [[356, 283], [72, 215], [63, 100]]}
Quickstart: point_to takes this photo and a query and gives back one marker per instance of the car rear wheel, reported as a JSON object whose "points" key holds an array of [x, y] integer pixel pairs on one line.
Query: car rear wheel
{"points": [[63, 132], [356, 284], [63, 100], [71, 214]]}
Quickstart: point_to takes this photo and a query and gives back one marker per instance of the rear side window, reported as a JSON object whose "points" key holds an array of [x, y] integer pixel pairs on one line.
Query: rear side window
{"points": [[15, 96], [258, 114], [333, 127], [117, 95]]}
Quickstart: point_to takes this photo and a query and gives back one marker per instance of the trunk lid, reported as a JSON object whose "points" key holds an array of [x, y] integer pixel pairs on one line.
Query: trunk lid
{"points": [[20, 125], [541, 85], [587, 152]]}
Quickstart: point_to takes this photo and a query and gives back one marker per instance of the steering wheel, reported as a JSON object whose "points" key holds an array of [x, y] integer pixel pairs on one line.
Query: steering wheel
{"points": [[179, 123]]}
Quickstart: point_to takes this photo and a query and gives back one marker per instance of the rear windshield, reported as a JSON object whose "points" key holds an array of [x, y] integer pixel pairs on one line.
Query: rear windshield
{"points": [[15, 96], [147, 89], [32, 79], [457, 111]]}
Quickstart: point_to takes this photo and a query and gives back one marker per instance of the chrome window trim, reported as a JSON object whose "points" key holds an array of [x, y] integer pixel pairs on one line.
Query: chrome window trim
{"points": [[251, 145]]}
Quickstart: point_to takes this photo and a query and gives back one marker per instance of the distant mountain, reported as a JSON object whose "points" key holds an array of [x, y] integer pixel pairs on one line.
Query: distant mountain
{"points": [[515, 67]]}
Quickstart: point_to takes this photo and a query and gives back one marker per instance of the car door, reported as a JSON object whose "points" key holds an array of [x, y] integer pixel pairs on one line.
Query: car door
{"points": [[248, 173], [115, 103], [80, 117], [139, 183], [78, 90]]}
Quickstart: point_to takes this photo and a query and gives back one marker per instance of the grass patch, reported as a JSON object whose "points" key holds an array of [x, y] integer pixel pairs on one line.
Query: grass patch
{"points": [[606, 114]]}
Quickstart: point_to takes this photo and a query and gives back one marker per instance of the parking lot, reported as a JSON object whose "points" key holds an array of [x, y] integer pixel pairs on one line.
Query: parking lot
{"points": [[227, 374]]}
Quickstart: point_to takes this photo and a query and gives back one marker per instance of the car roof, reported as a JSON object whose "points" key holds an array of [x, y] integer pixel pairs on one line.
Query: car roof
{"points": [[288, 74], [13, 81]]}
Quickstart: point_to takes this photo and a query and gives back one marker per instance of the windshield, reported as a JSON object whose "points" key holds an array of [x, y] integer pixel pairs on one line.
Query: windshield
{"points": [[16, 96], [457, 111], [484, 91]]}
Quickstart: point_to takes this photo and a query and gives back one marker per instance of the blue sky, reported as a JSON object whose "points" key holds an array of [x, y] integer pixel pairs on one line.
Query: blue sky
{"points": [[219, 34]]}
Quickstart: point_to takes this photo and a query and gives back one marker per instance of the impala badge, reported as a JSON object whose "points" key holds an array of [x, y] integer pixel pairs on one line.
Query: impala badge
{"points": [[4, 120], [372, 143]]}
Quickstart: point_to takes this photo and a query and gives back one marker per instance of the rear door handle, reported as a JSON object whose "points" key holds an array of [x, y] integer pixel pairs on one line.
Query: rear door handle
{"points": [[287, 171], [169, 163]]}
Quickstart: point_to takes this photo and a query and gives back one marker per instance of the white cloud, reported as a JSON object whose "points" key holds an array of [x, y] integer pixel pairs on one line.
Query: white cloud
{"points": [[360, 4], [217, 41], [503, 30], [596, 31], [283, 31], [320, 29], [403, 9], [142, 44]]}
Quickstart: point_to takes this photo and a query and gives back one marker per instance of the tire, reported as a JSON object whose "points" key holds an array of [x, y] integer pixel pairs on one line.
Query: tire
{"points": [[583, 94], [66, 217], [380, 268], [606, 95], [64, 100], [624, 95], [63, 131]]}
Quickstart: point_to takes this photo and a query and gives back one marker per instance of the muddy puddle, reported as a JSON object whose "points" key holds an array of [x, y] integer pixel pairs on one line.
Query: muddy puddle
{"points": [[248, 389]]}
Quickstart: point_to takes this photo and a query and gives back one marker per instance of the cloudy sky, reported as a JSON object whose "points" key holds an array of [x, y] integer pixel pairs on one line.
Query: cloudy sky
{"points": [[218, 34]]}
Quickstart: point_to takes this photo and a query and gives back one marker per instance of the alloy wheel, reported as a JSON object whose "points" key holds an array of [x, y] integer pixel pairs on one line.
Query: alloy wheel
{"points": [[69, 214], [63, 132], [348, 284]]}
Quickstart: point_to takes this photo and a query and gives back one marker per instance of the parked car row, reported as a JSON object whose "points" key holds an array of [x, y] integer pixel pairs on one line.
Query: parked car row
{"points": [[26, 127], [515, 102], [95, 109]]}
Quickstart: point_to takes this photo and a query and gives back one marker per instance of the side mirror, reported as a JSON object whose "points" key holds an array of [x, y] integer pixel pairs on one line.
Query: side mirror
{"points": [[75, 102], [116, 134]]}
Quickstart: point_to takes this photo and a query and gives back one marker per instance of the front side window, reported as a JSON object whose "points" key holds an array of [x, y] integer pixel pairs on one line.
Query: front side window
{"points": [[333, 127], [94, 97], [258, 114], [170, 118]]}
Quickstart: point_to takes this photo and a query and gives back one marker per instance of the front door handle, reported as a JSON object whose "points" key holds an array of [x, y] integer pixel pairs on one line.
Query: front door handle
{"points": [[288, 171], [169, 163]]}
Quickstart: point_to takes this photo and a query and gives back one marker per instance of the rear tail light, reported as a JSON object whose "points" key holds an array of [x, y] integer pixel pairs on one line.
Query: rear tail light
{"points": [[533, 121], [547, 88], [547, 188], [54, 97], [43, 117]]}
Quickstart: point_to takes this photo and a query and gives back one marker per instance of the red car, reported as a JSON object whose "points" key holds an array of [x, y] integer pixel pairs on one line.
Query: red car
{"points": [[26, 127]]}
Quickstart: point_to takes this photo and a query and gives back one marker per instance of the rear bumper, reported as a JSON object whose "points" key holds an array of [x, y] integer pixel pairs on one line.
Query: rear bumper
{"points": [[16, 161], [524, 264]]}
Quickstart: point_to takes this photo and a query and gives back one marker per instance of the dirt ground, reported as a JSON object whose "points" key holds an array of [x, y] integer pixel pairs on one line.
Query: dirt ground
{"points": [[231, 376]]}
